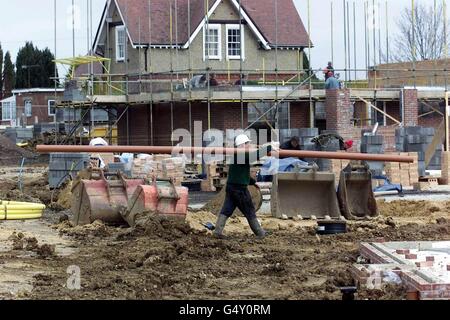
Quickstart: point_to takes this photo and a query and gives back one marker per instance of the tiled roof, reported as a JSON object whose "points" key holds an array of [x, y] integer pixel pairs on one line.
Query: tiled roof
{"points": [[136, 13]]}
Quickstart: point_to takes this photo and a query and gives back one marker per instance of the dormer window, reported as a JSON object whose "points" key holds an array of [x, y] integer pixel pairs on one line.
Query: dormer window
{"points": [[212, 39], [235, 43], [120, 43]]}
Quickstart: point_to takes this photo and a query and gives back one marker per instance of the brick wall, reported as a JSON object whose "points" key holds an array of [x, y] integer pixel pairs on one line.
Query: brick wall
{"points": [[39, 106], [399, 75], [340, 113], [300, 115], [431, 121], [411, 108], [223, 116]]}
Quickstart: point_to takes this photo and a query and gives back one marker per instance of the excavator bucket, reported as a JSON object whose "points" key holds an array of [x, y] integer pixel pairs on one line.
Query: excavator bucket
{"points": [[160, 199], [355, 193], [96, 198], [307, 194]]}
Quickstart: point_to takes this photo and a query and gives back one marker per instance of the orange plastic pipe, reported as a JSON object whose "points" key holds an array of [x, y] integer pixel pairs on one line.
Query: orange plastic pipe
{"points": [[211, 151]]}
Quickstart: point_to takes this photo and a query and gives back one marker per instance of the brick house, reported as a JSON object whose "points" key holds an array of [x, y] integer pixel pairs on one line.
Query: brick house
{"points": [[137, 39], [30, 106]]}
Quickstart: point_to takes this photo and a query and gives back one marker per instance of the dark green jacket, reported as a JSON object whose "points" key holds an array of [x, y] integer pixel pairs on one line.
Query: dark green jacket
{"points": [[239, 172]]}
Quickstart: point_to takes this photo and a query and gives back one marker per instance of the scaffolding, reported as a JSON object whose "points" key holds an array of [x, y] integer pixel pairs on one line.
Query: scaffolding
{"points": [[381, 82]]}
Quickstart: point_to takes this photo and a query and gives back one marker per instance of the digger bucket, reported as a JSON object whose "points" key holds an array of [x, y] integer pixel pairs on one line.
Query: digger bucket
{"points": [[102, 199], [161, 198], [355, 194], [304, 194]]}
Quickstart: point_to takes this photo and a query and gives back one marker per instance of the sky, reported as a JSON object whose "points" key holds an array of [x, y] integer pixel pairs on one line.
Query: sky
{"points": [[22, 20]]}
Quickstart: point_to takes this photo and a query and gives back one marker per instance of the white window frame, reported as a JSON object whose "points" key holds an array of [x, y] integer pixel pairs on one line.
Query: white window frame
{"points": [[242, 34], [118, 57], [48, 107], [8, 111], [30, 113], [217, 27]]}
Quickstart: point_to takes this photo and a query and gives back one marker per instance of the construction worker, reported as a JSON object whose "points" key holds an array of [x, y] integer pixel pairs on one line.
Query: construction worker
{"points": [[332, 82], [212, 80], [328, 69], [292, 144], [237, 194]]}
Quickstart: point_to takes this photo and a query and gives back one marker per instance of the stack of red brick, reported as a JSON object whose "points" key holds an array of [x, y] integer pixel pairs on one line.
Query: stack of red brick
{"points": [[406, 174]]}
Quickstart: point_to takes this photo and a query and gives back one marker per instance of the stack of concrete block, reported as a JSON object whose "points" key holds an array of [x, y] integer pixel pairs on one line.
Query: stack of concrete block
{"points": [[18, 135], [417, 139], [40, 128], [64, 165], [216, 176], [373, 145], [332, 146]]}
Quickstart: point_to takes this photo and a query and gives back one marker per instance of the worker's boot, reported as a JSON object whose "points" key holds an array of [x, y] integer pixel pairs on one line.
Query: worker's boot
{"points": [[220, 226], [257, 229]]}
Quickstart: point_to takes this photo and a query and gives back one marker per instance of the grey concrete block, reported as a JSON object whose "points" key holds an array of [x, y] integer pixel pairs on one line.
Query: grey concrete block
{"points": [[414, 139], [415, 148], [308, 132], [372, 140], [414, 130]]}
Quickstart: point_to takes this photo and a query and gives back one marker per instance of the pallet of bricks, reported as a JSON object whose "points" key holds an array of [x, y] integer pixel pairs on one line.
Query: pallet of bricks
{"points": [[161, 166], [406, 174], [216, 176]]}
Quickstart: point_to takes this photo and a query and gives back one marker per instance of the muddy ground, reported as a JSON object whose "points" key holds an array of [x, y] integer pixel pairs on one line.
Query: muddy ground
{"points": [[168, 260]]}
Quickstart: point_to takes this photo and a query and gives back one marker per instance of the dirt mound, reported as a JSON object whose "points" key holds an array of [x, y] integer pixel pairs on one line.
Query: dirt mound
{"points": [[19, 243], [65, 197], [34, 189], [216, 204], [96, 229], [402, 208], [11, 154]]}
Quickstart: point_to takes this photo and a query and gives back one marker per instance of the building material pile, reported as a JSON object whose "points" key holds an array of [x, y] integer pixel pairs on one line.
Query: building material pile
{"points": [[423, 267], [417, 139], [161, 166], [373, 144], [216, 176], [406, 174]]}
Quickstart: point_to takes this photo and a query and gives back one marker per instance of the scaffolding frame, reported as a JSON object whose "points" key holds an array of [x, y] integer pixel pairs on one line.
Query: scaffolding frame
{"points": [[294, 82]]}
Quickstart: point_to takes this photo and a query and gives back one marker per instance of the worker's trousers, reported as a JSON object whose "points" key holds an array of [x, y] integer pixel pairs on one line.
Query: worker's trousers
{"points": [[238, 196]]}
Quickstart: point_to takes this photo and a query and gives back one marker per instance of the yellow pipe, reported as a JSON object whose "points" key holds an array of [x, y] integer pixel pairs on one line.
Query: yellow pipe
{"points": [[20, 217], [14, 210], [23, 207]]}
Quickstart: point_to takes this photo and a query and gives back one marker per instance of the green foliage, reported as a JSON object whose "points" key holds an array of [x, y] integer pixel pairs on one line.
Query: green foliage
{"points": [[34, 67], [8, 76], [1, 72]]}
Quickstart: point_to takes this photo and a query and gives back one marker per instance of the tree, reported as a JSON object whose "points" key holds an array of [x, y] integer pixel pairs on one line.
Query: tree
{"points": [[34, 67], [8, 76], [421, 35], [1, 72]]}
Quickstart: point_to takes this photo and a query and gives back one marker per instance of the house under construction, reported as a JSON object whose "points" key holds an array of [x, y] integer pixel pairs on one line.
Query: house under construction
{"points": [[166, 65]]}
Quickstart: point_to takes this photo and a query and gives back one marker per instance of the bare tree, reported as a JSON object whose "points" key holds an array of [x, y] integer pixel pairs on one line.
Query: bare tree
{"points": [[422, 35]]}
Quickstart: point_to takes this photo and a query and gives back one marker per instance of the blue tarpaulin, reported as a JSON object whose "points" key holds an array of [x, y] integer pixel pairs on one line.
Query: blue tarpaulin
{"points": [[273, 165]]}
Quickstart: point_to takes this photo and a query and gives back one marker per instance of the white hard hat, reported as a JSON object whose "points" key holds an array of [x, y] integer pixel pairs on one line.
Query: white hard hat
{"points": [[241, 139]]}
